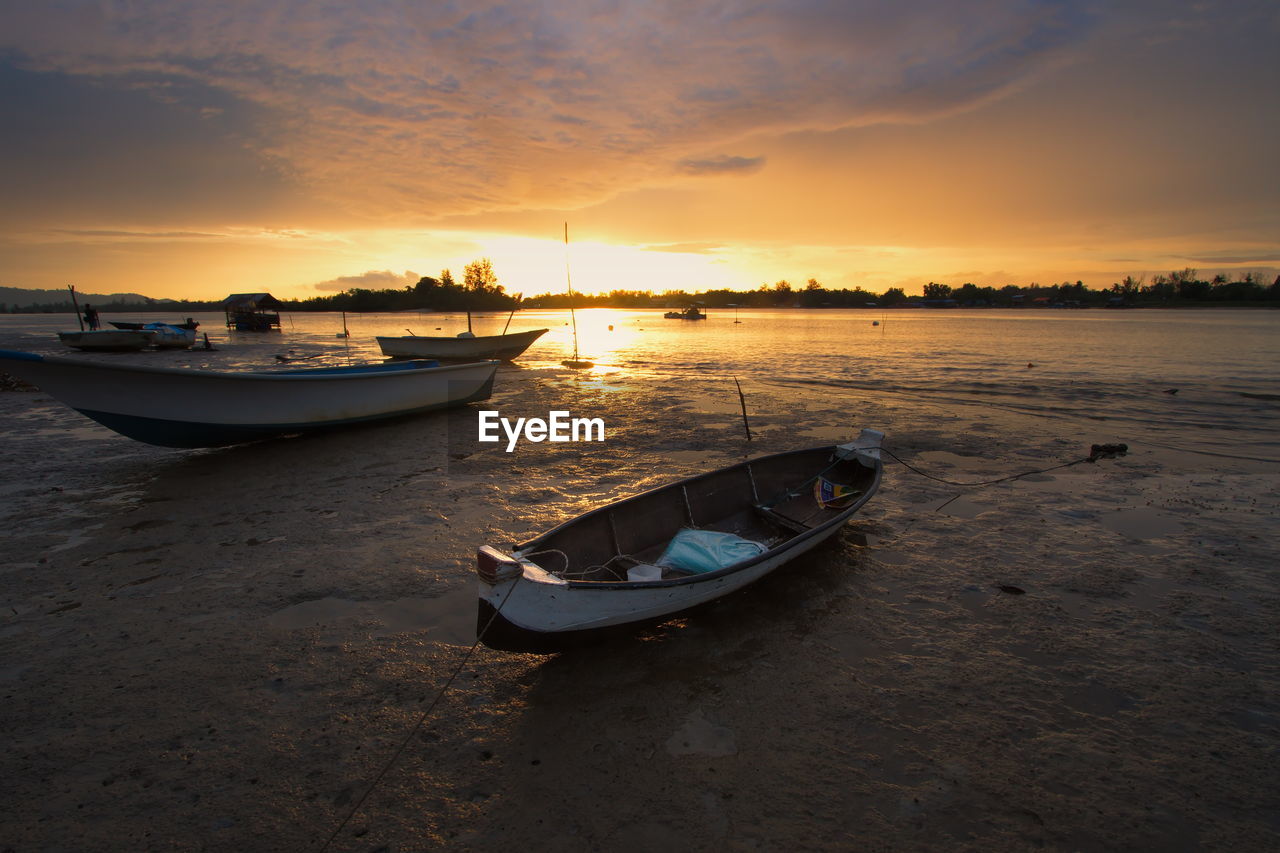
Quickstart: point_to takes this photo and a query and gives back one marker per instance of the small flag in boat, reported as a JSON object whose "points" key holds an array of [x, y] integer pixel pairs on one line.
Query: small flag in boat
{"points": [[831, 495]]}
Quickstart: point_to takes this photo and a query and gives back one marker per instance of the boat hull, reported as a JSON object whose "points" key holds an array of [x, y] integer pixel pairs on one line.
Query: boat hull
{"points": [[525, 606], [186, 324], [176, 407], [107, 340], [166, 336], [174, 341], [529, 618], [501, 347]]}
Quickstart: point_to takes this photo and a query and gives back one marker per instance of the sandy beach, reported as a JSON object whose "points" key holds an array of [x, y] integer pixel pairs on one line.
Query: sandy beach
{"points": [[226, 650]]}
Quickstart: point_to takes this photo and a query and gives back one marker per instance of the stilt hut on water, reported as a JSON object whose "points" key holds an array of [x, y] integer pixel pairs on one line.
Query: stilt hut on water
{"points": [[252, 312]]}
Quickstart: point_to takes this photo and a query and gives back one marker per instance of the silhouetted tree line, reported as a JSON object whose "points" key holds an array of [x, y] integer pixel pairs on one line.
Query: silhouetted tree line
{"points": [[480, 291], [115, 306], [1176, 289]]}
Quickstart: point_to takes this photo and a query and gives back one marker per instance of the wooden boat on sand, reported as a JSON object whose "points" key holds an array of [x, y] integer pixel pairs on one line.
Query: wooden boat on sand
{"points": [[465, 347], [647, 557], [181, 407]]}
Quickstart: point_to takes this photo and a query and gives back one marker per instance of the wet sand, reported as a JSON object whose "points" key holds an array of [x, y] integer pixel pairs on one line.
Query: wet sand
{"points": [[221, 650]]}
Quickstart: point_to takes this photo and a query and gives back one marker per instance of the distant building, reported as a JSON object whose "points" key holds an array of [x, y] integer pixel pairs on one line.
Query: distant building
{"points": [[252, 312]]}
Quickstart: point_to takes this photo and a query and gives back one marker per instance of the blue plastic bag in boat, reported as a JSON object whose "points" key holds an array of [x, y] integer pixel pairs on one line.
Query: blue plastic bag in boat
{"points": [[707, 550]]}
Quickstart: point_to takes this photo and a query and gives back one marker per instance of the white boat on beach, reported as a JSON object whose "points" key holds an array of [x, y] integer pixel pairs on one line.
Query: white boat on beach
{"points": [[188, 323], [107, 340], [465, 346], [179, 407], [647, 557], [165, 336], [168, 336]]}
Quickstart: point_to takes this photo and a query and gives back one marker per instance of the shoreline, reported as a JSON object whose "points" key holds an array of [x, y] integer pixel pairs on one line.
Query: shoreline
{"points": [[502, 312]]}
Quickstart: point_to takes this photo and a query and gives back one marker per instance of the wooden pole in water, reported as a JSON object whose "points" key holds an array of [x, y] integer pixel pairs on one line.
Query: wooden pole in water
{"points": [[76, 305], [743, 401], [569, 284], [517, 305], [576, 363]]}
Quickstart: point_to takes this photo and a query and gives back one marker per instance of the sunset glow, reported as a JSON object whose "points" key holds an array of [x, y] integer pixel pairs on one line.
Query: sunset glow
{"points": [[190, 150]]}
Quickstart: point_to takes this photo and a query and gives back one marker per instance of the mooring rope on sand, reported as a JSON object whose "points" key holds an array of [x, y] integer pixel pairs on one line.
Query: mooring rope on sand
{"points": [[422, 718], [1099, 451]]}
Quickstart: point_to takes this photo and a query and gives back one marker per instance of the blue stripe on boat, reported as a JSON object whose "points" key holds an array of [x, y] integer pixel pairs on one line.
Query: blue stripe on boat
{"points": [[386, 367], [20, 356]]}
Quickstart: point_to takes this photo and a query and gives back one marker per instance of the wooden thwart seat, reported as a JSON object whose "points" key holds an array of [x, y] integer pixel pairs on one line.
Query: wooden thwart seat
{"points": [[784, 521]]}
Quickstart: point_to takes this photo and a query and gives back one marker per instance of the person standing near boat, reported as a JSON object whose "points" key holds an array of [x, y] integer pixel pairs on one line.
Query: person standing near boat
{"points": [[91, 317]]}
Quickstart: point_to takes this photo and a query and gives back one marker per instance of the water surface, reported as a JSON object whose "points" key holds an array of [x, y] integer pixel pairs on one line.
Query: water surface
{"points": [[1203, 380]]}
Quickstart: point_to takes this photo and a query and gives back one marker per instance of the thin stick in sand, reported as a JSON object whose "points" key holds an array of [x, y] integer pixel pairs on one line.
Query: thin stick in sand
{"points": [[574, 363]]}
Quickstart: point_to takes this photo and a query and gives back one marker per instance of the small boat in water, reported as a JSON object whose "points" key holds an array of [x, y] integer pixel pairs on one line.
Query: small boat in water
{"points": [[647, 557], [187, 324], [107, 340], [465, 346], [181, 407], [166, 336], [690, 313], [130, 337]]}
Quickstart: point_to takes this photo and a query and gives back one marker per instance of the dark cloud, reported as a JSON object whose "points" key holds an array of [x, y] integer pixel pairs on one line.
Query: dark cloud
{"points": [[139, 235], [1268, 256], [372, 280], [703, 248], [136, 148], [722, 165]]}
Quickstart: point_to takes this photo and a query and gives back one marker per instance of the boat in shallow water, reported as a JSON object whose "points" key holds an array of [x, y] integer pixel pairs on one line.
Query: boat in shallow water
{"points": [[470, 347], [180, 407], [186, 324], [108, 340], [167, 336], [690, 313], [647, 557]]}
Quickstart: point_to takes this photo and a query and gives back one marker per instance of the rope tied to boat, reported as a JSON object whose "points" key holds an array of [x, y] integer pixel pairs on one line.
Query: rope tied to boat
{"points": [[422, 718], [1096, 452]]}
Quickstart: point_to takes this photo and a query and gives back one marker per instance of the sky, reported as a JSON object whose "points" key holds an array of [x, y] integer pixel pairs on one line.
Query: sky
{"points": [[185, 149]]}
